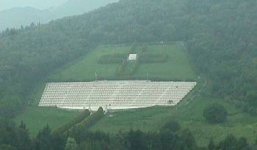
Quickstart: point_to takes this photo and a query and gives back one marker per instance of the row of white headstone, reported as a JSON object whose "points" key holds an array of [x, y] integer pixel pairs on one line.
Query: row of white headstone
{"points": [[114, 94]]}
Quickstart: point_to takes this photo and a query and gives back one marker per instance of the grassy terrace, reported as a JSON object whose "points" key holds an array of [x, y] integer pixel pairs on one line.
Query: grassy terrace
{"points": [[177, 66], [189, 115], [37, 118]]}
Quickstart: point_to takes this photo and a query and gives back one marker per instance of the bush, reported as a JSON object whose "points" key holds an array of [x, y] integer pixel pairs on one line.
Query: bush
{"points": [[127, 68], [112, 59], [215, 113], [7, 147], [172, 125], [76, 120], [92, 119], [153, 58]]}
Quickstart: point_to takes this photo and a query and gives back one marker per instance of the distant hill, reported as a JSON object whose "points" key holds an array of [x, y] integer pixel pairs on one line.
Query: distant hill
{"points": [[15, 17], [23, 16], [76, 7]]}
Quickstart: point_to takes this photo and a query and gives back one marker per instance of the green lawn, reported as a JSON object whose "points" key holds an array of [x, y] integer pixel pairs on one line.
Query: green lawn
{"points": [[86, 68], [189, 115], [177, 67], [36, 118]]}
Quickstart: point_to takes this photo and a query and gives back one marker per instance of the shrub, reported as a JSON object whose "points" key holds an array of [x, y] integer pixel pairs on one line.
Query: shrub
{"points": [[172, 125], [215, 113], [153, 58], [127, 68], [91, 120], [7, 147], [73, 122], [112, 59]]}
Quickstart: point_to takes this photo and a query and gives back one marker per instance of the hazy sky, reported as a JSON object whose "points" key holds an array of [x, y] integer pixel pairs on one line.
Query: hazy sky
{"points": [[41, 4]]}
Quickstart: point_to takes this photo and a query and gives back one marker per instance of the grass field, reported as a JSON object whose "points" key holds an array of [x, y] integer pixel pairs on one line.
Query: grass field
{"points": [[37, 118], [189, 115], [85, 68], [176, 68]]}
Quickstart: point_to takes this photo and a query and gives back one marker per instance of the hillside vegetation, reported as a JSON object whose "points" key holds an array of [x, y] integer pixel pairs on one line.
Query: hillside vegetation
{"points": [[220, 36], [176, 67], [37, 118], [220, 40], [189, 114]]}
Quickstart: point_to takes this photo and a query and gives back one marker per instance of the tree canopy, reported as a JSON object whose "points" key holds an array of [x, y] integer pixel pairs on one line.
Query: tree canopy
{"points": [[215, 113]]}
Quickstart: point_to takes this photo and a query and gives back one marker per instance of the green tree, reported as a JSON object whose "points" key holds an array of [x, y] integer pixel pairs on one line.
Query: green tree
{"points": [[232, 143], [7, 147], [24, 141], [188, 140], [71, 144], [172, 125], [43, 140], [211, 145], [135, 140], [215, 113]]}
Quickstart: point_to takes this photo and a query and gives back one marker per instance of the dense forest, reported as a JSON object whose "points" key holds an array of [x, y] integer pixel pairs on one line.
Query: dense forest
{"points": [[170, 137]]}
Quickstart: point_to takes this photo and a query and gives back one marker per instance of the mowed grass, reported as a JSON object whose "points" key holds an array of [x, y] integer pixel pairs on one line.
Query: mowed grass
{"points": [[37, 118], [177, 67], [189, 115], [87, 67]]}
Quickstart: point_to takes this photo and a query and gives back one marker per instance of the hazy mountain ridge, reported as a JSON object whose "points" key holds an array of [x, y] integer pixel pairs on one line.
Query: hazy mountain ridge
{"points": [[17, 17], [23, 16], [76, 7]]}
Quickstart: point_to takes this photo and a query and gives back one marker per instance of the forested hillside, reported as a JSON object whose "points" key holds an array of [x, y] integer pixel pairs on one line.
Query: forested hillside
{"points": [[220, 37], [223, 46]]}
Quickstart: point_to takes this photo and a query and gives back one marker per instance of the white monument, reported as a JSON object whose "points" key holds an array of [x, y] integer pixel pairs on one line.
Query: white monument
{"points": [[132, 57]]}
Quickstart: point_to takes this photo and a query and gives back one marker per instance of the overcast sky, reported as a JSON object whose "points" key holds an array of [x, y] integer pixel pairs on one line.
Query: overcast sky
{"points": [[41, 4]]}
